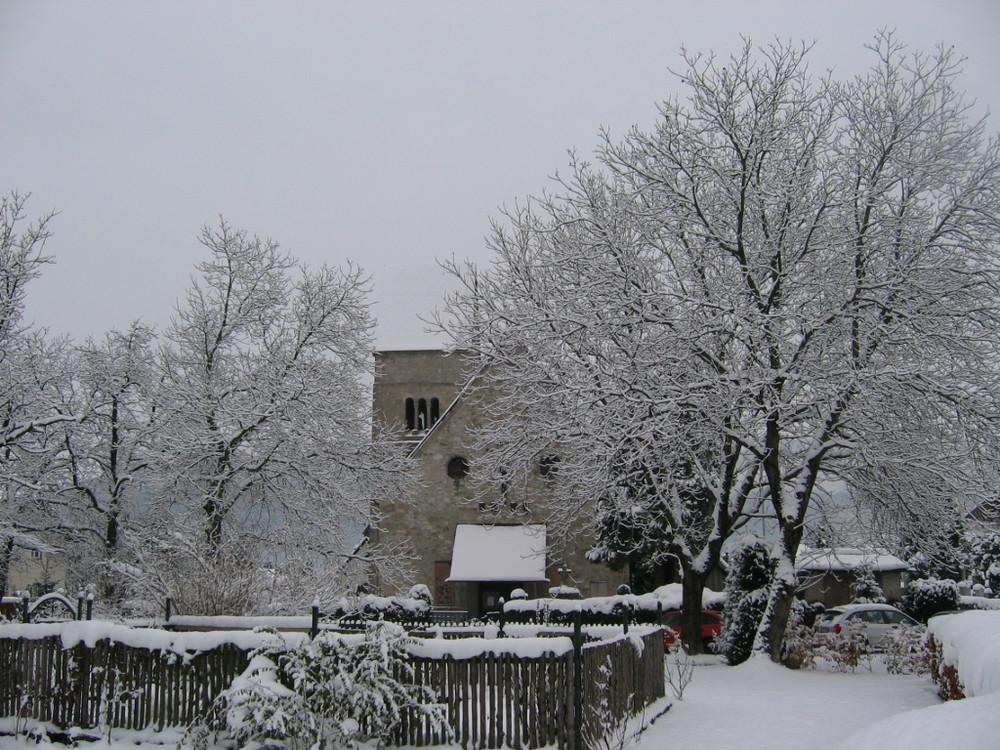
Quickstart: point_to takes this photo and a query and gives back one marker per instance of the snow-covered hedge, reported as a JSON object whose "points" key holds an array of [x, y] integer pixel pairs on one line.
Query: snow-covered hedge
{"points": [[969, 644], [924, 598], [370, 607], [978, 602], [607, 609]]}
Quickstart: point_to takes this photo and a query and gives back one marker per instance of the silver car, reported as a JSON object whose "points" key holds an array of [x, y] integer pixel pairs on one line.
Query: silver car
{"points": [[877, 620]]}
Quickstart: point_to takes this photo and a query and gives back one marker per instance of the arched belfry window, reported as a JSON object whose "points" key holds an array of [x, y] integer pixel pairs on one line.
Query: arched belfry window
{"points": [[422, 414]]}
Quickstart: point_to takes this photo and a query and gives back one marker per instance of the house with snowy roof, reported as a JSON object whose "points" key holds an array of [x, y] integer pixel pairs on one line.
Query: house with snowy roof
{"points": [[35, 568], [470, 549], [826, 574]]}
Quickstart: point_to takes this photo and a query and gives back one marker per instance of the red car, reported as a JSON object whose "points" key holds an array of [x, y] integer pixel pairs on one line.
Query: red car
{"points": [[711, 627]]}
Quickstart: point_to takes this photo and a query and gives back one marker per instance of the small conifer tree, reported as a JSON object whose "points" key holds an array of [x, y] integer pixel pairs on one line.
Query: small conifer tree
{"points": [[865, 588], [750, 576]]}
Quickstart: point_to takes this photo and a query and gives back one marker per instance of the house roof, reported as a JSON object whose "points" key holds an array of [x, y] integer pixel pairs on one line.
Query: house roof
{"points": [[498, 553], [846, 558]]}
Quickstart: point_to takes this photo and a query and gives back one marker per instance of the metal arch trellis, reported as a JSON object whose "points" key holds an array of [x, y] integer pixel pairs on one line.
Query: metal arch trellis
{"points": [[54, 596]]}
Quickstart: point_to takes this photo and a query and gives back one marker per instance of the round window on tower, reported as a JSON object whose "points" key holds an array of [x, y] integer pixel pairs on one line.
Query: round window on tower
{"points": [[458, 468]]}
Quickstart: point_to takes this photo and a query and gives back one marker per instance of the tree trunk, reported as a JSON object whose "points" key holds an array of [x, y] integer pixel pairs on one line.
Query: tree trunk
{"points": [[6, 554], [779, 608], [692, 589]]}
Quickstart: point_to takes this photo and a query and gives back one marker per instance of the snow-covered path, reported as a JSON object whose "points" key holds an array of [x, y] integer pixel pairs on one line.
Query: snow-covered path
{"points": [[762, 706]]}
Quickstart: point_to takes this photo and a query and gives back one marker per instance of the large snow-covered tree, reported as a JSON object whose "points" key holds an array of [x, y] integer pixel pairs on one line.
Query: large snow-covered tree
{"points": [[262, 457], [580, 362], [98, 469], [788, 281], [30, 372]]}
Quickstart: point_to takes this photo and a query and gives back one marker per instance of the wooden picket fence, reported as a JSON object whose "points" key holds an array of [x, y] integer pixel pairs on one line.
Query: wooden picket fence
{"points": [[491, 700], [111, 684]]}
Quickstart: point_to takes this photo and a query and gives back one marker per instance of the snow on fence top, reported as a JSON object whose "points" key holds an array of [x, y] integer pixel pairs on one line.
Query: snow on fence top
{"points": [[522, 642], [668, 597], [226, 622], [970, 642], [89, 632]]}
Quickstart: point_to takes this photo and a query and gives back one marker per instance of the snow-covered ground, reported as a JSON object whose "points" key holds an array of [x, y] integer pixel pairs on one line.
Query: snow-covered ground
{"points": [[760, 705]]}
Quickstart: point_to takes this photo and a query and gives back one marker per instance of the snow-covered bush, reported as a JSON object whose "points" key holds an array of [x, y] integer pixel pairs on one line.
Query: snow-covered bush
{"points": [[225, 581], [565, 592], [605, 730], [750, 574], [331, 692], [986, 562], [865, 588], [371, 607], [603, 610], [847, 647], [678, 668], [799, 649], [906, 651], [925, 598], [421, 592]]}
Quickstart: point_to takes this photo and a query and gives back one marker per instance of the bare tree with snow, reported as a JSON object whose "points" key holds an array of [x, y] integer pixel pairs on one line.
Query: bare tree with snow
{"points": [[30, 372], [263, 455], [789, 280], [99, 464]]}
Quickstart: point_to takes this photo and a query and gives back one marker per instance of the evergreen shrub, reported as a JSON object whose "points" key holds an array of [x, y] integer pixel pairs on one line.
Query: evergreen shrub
{"points": [[923, 599], [750, 576]]}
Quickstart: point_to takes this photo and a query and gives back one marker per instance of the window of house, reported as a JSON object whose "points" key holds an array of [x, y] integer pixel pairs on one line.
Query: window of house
{"points": [[411, 415], [435, 410], [422, 423]]}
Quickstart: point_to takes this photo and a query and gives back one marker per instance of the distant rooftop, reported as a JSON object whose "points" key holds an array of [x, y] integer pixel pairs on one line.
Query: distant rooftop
{"points": [[846, 558], [403, 295]]}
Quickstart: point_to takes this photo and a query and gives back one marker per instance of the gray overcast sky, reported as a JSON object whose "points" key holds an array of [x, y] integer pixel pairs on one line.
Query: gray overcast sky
{"points": [[383, 132]]}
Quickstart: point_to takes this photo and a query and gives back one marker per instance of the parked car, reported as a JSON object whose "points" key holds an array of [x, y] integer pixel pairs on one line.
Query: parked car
{"points": [[711, 627], [878, 620]]}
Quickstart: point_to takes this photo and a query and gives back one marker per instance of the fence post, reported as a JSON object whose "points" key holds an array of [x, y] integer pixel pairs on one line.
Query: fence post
{"points": [[623, 591], [578, 680], [168, 604], [25, 600], [659, 612], [503, 618], [314, 627], [90, 606], [79, 604]]}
